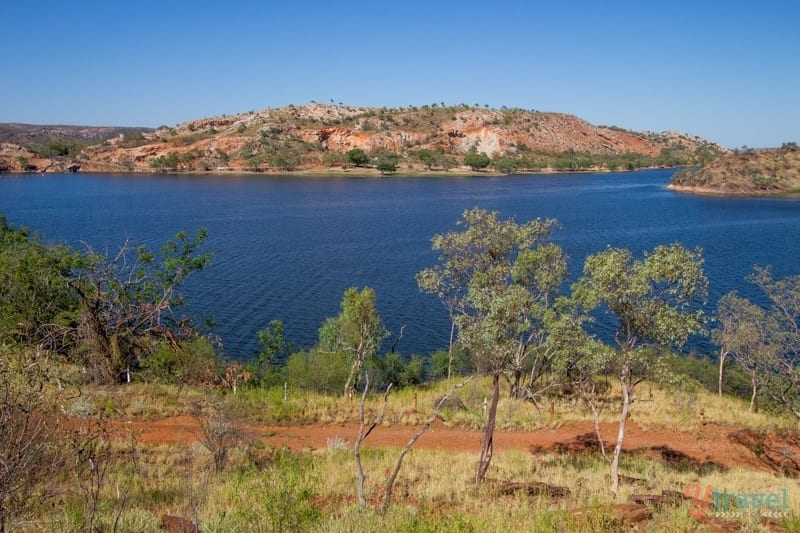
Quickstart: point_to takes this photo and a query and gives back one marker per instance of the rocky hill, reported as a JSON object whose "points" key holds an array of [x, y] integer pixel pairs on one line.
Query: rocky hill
{"points": [[749, 172], [30, 147], [332, 137]]}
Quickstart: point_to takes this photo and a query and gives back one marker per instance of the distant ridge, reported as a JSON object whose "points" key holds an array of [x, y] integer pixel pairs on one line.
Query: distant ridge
{"points": [[317, 137]]}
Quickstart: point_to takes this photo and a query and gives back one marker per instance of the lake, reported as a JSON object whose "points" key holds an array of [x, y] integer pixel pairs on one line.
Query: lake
{"points": [[288, 247]]}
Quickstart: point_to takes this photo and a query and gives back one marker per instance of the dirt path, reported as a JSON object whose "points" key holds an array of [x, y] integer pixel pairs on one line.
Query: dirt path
{"points": [[705, 447]]}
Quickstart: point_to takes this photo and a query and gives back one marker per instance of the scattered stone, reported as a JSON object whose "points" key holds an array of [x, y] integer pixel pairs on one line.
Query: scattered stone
{"points": [[535, 488], [177, 524], [625, 514], [670, 498]]}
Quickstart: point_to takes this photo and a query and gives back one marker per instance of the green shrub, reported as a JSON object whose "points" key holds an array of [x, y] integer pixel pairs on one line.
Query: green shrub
{"points": [[189, 363], [320, 371]]}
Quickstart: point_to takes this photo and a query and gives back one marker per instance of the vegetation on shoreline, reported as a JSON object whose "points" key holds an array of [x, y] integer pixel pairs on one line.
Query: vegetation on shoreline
{"points": [[746, 172], [89, 341]]}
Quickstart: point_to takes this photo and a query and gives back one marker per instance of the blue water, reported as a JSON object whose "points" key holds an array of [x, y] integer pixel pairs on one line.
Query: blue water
{"points": [[287, 248]]}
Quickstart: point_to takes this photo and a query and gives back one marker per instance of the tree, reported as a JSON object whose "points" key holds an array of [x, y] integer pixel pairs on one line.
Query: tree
{"points": [[286, 159], [746, 336], [782, 371], [274, 349], [506, 165], [357, 331], [476, 161], [652, 301], [128, 301], [386, 167], [427, 157], [168, 162], [496, 277], [357, 156]]}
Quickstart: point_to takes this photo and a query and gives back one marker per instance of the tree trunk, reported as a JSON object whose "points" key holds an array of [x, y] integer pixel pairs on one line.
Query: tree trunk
{"points": [[450, 349], [722, 354], [626, 406], [487, 444], [355, 368], [753, 396], [516, 389]]}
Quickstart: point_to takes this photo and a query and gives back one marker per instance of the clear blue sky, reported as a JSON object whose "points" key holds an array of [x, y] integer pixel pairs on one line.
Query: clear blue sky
{"points": [[727, 71]]}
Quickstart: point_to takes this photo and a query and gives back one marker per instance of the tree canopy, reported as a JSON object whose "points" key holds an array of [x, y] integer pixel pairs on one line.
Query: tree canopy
{"points": [[499, 278], [653, 302]]}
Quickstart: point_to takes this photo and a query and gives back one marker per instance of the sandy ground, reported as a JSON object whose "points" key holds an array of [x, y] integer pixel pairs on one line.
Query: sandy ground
{"points": [[704, 446]]}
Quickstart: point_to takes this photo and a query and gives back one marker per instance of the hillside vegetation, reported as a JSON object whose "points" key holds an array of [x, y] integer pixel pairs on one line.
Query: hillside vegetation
{"points": [[51, 148], [750, 172], [439, 138]]}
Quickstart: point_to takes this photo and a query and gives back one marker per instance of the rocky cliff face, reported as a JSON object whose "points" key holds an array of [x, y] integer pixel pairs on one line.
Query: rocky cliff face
{"points": [[317, 136], [15, 158]]}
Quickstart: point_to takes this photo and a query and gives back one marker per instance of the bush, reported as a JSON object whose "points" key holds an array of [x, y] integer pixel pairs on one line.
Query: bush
{"points": [[31, 453], [439, 360], [191, 362], [324, 372], [395, 369]]}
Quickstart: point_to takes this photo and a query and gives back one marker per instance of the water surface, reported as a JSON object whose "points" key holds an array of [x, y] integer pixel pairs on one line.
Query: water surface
{"points": [[288, 247]]}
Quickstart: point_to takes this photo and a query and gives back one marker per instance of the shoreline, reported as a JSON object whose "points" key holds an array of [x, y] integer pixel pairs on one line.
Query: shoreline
{"points": [[706, 191], [338, 172]]}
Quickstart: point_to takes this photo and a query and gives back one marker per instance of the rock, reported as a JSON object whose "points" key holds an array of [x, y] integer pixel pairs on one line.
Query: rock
{"points": [[177, 524]]}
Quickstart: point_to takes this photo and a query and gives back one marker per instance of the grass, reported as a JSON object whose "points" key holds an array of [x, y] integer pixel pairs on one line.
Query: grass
{"points": [[654, 407], [269, 489], [277, 490]]}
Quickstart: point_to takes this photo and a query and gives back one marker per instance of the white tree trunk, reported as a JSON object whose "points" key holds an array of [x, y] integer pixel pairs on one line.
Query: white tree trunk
{"points": [[626, 407]]}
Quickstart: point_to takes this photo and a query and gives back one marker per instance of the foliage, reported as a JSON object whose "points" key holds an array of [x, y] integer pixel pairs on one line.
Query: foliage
{"points": [[57, 149], [318, 370], [357, 156], [167, 162], [37, 306], [475, 160], [191, 361], [30, 454], [386, 167], [441, 363], [275, 350], [394, 369], [128, 302], [652, 301], [500, 278], [765, 343], [356, 332], [745, 334], [219, 432]]}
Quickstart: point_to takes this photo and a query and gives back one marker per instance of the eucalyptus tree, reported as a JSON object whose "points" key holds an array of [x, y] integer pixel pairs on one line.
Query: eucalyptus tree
{"points": [[498, 279], [653, 301], [357, 331], [745, 334], [783, 322]]}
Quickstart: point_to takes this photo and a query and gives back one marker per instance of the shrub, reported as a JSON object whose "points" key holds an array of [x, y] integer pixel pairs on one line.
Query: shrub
{"points": [[316, 370], [190, 362]]}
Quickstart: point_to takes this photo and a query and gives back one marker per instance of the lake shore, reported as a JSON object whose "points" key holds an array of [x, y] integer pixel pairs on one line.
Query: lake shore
{"points": [[354, 172], [707, 191]]}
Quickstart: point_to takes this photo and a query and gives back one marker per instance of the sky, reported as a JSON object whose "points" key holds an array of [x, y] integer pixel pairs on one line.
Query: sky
{"points": [[727, 71]]}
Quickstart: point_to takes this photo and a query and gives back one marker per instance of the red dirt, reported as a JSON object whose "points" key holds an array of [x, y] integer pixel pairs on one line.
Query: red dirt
{"points": [[707, 447]]}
